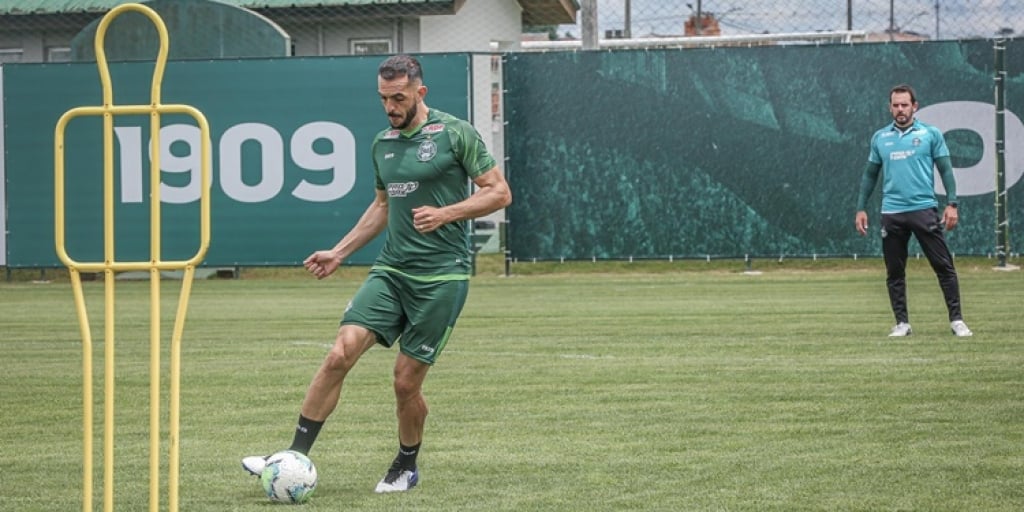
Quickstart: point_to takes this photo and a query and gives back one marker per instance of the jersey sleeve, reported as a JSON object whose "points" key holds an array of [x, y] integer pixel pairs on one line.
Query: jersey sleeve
{"points": [[377, 181], [873, 155], [470, 149], [939, 148]]}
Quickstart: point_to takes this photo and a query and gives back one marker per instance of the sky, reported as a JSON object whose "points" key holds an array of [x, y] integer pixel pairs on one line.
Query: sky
{"points": [[956, 18]]}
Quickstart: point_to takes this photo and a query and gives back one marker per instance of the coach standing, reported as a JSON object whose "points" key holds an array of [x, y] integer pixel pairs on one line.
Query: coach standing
{"points": [[906, 152]]}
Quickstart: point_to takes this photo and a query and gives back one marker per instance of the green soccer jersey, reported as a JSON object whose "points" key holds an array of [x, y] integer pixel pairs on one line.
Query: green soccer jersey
{"points": [[908, 165], [428, 166]]}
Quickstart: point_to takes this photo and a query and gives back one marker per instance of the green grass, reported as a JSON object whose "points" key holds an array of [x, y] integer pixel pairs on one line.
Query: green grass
{"points": [[593, 387]]}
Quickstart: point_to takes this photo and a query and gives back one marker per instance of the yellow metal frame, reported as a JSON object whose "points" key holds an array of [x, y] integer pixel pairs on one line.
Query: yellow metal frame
{"points": [[109, 266]]}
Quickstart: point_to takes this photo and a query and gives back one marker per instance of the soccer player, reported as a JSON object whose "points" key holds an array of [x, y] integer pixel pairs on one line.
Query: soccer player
{"points": [[415, 290], [906, 151]]}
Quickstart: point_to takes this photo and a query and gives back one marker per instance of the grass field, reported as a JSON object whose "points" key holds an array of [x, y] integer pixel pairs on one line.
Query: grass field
{"points": [[590, 390]]}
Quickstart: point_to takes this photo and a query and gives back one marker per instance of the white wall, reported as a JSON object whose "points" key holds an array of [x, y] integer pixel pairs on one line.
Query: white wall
{"points": [[337, 38], [473, 28], [486, 75], [29, 44]]}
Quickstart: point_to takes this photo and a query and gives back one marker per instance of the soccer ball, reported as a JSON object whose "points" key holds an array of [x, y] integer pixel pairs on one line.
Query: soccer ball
{"points": [[289, 477]]}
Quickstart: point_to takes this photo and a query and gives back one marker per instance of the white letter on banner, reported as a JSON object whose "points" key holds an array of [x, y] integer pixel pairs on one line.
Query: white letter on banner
{"points": [[180, 164], [979, 118], [341, 160], [129, 140], [272, 160]]}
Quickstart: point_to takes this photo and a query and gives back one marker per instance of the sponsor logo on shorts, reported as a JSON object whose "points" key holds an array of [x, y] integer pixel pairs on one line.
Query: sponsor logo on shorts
{"points": [[429, 350], [402, 189]]}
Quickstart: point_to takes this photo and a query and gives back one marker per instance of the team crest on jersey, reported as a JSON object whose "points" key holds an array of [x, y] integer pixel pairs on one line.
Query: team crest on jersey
{"points": [[916, 141], [391, 134], [402, 189], [426, 151], [433, 128]]}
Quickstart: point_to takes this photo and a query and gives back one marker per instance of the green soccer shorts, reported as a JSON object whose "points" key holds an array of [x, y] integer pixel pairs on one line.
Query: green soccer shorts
{"points": [[417, 312]]}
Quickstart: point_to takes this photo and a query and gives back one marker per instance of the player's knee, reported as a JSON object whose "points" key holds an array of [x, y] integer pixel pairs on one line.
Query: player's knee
{"points": [[342, 356], [339, 360], [409, 399], [406, 388]]}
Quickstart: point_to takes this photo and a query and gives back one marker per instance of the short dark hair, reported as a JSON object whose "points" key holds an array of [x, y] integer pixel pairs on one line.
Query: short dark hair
{"points": [[904, 88], [400, 65]]}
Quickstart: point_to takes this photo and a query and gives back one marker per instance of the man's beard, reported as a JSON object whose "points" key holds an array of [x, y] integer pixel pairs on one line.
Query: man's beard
{"points": [[903, 120], [407, 120]]}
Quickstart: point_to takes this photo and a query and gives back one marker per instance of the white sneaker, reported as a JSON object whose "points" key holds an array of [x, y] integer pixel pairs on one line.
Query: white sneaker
{"points": [[254, 464], [398, 480], [901, 329], [960, 329]]}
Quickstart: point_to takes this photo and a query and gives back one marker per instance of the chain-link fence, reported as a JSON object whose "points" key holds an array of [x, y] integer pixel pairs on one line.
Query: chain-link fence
{"points": [[46, 30], [878, 19]]}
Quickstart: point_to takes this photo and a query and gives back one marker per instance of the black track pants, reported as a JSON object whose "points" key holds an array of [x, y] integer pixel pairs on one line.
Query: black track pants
{"points": [[926, 226]]}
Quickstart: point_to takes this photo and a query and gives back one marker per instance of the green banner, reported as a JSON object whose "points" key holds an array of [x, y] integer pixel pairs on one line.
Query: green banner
{"points": [[290, 149], [729, 152]]}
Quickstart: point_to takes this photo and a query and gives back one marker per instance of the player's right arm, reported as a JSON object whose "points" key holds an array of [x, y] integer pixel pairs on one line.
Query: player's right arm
{"points": [[372, 223], [867, 185]]}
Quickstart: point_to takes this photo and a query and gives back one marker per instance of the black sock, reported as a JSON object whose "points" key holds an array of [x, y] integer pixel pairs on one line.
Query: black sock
{"points": [[305, 434], [407, 455]]}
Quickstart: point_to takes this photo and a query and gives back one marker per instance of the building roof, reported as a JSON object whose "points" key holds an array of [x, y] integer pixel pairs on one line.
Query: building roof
{"points": [[549, 12], [535, 12], [63, 6]]}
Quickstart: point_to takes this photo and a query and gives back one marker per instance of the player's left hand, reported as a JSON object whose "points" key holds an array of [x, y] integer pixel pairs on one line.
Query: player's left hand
{"points": [[427, 218], [950, 216], [861, 222]]}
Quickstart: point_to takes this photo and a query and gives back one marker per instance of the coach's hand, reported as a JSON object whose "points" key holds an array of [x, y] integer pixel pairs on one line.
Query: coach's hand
{"points": [[861, 222], [950, 216]]}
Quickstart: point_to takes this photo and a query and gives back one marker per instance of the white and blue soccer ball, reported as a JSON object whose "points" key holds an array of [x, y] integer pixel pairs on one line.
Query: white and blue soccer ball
{"points": [[289, 477]]}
